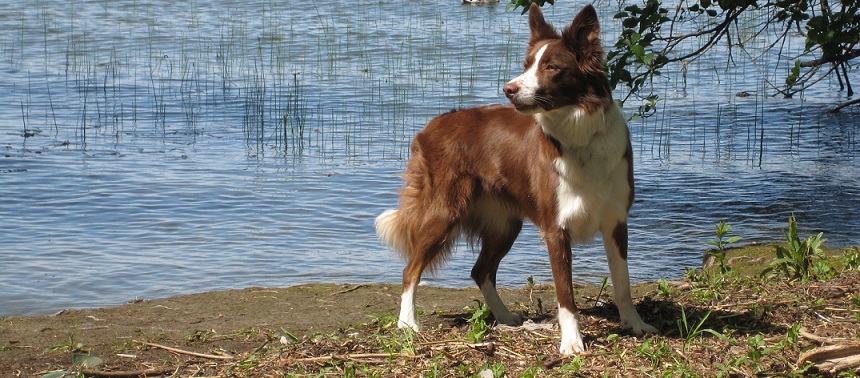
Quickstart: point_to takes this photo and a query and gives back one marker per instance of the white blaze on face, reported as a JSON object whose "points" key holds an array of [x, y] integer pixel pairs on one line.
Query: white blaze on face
{"points": [[528, 81]]}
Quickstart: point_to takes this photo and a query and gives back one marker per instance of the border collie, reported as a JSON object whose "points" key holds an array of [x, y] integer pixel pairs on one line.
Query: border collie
{"points": [[560, 157]]}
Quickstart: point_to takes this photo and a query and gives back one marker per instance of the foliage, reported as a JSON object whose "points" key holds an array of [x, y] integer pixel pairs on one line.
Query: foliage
{"points": [[799, 259], [690, 331], [603, 286], [663, 288], [653, 36], [634, 59], [514, 4], [852, 258], [719, 254], [478, 322], [384, 321], [81, 358], [71, 345]]}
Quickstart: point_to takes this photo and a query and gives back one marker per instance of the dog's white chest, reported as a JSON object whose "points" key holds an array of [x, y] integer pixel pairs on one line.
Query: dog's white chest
{"points": [[593, 184], [578, 199]]}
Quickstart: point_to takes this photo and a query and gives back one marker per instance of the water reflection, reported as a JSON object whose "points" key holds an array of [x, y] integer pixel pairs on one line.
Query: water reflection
{"points": [[152, 149]]}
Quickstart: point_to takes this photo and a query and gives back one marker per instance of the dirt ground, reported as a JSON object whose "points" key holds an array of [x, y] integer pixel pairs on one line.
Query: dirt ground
{"points": [[754, 327], [228, 322]]}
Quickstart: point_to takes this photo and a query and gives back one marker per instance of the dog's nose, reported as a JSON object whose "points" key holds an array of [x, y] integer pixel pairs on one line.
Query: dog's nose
{"points": [[511, 89]]}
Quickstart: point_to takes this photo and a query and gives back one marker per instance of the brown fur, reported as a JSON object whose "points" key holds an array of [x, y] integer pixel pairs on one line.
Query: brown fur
{"points": [[562, 159]]}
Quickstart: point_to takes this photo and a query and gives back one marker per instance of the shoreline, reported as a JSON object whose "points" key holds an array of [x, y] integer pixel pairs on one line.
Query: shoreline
{"points": [[251, 321]]}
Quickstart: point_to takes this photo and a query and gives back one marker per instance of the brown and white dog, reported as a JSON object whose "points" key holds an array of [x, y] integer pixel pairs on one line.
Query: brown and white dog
{"points": [[560, 157]]}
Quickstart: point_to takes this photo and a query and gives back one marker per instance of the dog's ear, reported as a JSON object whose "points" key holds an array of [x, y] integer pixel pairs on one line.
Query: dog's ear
{"points": [[582, 36], [540, 30]]}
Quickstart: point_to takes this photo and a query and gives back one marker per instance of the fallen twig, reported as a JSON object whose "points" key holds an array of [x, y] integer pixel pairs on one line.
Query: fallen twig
{"points": [[354, 356], [130, 373], [820, 339], [511, 352], [259, 348], [190, 353], [457, 343], [354, 288], [833, 358]]}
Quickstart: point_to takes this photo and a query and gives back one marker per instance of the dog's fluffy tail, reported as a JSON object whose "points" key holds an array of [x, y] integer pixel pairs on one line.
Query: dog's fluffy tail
{"points": [[393, 232]]}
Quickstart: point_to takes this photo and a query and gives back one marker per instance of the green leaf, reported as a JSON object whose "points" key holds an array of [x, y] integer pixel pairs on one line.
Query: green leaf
{"points": [[637, 50], [633, 9], [648, 58], [55, 374], [86, 360], [717, 335], [794, 74], [630, 22]]}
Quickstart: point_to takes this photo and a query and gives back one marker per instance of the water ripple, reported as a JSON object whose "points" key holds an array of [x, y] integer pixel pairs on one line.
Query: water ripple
{"points": [[154, 149]]}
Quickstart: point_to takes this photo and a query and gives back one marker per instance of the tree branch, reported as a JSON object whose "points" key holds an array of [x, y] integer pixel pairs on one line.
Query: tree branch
{"points": [[719, 31], [832, 59], [845, 104]]}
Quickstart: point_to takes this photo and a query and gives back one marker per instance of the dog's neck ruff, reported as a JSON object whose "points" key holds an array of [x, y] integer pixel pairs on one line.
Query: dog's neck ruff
{"points": [[571, 125]]}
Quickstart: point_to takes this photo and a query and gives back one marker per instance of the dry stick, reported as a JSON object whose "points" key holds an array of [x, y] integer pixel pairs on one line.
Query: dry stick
{"points": [[356, 287], [129, 373], [356, 356], [833, 358], [456, 343], [195, 354], [436, 342], [259, 348], [820, 339], [508, 350]]}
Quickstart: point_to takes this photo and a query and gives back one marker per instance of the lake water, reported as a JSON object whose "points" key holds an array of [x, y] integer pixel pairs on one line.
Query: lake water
{"points": [[150, 149]]}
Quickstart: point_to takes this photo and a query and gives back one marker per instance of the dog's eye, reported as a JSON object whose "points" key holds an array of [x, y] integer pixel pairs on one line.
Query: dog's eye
{"points": [[552, 67]]}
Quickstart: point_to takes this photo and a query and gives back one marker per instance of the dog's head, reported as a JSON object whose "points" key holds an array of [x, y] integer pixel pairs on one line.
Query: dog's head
{"points": [[561, 69]]}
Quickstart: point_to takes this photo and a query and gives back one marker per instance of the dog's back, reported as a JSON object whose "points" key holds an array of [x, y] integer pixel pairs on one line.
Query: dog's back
{"points": [[466, 175]]}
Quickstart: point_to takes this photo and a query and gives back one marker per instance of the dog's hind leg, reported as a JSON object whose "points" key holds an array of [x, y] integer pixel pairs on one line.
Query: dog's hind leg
{"points": [[434, 226], [432, 245], [615, 245], [495, 244]]}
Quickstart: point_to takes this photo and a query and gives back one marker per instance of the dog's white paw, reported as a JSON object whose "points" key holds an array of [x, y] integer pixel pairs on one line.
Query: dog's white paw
{"points": [[571, 337], [571, 347], [406, 324]]}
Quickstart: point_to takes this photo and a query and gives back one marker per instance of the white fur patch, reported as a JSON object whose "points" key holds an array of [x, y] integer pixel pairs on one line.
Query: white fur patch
{"points": [[528, 81], [593, 190], [571, 338], [572, 213], [387, 229], [407, 310]]}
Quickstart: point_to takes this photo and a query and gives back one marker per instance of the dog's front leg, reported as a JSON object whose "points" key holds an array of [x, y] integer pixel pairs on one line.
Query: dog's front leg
{"points": [[615, 245], [560, 259]]}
